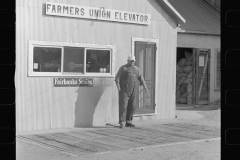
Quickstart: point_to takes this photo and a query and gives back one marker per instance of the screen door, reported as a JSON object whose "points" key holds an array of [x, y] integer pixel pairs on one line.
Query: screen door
{"points": [[145, 60], [201, 76]]}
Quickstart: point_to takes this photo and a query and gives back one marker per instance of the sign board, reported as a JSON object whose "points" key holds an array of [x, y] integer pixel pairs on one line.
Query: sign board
{"points": [[66, 10], [73, 82]]}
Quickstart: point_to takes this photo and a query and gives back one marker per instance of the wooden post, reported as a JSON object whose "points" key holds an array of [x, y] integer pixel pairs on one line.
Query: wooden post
{"points": [[194, 75]]}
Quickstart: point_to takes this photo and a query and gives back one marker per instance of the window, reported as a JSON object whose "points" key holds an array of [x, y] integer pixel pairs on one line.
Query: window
{"points": [[73, 61], [46, 59], [98, 61], [67, 60], [217, 69]]}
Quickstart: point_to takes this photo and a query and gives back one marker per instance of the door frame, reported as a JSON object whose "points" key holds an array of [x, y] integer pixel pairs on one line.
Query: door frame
{"points": [[194, 100], [156, 41]]}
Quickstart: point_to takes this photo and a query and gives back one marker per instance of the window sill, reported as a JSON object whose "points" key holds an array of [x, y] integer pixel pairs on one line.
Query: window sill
{"points": [[145, 114], [73, 75]]}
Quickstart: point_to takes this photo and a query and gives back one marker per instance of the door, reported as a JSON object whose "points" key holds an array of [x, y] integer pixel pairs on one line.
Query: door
{"points": [[201, 76], [145, 60]]}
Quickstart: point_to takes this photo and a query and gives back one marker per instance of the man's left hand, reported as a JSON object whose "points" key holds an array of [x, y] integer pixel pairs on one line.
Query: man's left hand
{"points": [[146, 89]]}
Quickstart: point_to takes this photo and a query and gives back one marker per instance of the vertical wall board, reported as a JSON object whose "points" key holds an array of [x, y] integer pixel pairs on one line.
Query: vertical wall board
{"points": [[135, 31], [67, 26], [19, 69], [86, 31], [166, 65], [166, 17], [100, 32], [59, 28], [102, 112], [111, 34], [38, 4], [45, 29], [80, 30], [26, 19], [162, 77], [43, 104], [64, 32], [152, 31], [22, 68], [63, 107], [89, 36], [50, 26], [96, 3], [33, 106], [138, 6], [54, 32], [122, 5], [154, 9], [21, 3], [81, 3], [163, 36], [114, 118], [37, 24], [29, 3], [56, 106], [71, 30], [172, 82], [33, 26], [25, 3], [75, 37], [123, 41], [34, 102], [18, 3]]}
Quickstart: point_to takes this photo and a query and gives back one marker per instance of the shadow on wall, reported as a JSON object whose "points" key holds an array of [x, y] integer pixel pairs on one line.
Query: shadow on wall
{"points": [[87, 101]]}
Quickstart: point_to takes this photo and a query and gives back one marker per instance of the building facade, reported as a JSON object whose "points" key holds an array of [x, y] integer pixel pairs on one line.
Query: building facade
{"points": [[68, 52]]}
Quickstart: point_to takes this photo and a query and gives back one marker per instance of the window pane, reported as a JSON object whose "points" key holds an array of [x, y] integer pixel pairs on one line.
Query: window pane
{"points": [[46, 59], [73, 60], [98, 61]]}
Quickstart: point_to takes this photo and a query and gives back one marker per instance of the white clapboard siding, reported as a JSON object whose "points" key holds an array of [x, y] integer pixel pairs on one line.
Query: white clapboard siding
{"points": [[40, 105]]}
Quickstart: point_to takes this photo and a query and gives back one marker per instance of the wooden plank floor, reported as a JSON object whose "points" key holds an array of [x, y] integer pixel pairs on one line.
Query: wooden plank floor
{"points": [[89, 141]]}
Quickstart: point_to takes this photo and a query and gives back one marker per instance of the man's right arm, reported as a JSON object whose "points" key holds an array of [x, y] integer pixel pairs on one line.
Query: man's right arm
{"points": [[118, 78]]}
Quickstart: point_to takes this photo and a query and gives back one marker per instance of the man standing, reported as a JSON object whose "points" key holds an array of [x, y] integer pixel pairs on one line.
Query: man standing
{"points": [[127, 81]]}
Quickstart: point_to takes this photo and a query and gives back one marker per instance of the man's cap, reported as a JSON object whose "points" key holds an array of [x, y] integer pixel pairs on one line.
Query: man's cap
{"points": [[131, 58]]}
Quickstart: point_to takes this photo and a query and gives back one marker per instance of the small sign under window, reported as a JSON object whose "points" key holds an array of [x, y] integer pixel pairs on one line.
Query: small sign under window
{"points": [[73, 82]]}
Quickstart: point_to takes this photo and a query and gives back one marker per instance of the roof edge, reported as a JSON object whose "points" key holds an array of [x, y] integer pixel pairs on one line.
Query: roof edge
{"points": [[196, 32], [180, 18]]}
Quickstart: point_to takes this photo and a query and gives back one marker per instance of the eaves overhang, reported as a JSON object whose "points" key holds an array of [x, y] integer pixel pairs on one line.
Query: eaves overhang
{"points": [[179, 19]]}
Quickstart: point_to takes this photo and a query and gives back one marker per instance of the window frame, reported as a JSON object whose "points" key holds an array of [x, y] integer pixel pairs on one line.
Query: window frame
{"points": [[85, 61], [216, 51], [32, 44]]}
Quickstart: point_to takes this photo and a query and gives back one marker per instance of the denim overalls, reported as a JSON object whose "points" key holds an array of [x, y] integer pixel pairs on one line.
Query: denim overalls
{"points": [[129, 77]]}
